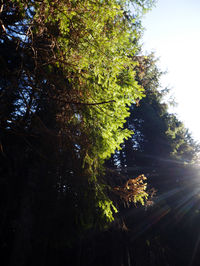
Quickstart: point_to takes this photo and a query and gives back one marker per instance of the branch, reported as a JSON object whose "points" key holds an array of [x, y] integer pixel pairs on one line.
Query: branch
{"points": [[112, 101], [1, 22]]}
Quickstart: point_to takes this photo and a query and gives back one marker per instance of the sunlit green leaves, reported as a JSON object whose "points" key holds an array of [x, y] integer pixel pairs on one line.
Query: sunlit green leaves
{"points": [[90, 45]]}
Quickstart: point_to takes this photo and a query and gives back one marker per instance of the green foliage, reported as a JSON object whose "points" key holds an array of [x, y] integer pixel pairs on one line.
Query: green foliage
{"points": [[184, 147], [159, 134], [75, 86], [101, 30], [72, 91], [107, 208]]}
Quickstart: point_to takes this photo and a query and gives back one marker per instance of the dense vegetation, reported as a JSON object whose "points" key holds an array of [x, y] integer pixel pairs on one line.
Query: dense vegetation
{"points": [[86, 137]]}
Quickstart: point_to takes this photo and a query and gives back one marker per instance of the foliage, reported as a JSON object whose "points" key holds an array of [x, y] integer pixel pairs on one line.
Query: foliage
{"points": [[69, 80], [134, 190], [72, 87], [159, 136]]}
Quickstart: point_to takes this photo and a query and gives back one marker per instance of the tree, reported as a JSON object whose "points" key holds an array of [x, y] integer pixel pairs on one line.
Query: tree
{"points": [[159, 138], [68, 81]]}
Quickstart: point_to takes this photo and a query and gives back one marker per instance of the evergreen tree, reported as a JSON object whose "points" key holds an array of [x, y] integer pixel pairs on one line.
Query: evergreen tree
{"points": [[159, 137], [66, 86]]}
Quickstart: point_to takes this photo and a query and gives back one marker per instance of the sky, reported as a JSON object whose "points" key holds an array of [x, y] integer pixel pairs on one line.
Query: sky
{"points": [[172, 31]]}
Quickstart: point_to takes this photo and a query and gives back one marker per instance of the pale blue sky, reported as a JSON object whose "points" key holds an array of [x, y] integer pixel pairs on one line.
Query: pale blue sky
{"points": [[173, 32]]}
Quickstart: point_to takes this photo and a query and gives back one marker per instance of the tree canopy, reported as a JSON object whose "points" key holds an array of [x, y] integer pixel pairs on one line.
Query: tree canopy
{"points": [[82, 121]]}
